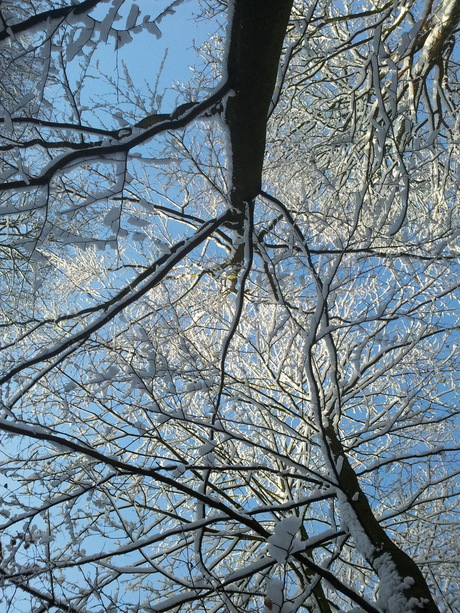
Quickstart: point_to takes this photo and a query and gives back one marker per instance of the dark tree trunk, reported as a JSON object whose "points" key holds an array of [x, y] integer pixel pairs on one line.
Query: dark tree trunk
{"points": [[383, 550], [256, 32]]}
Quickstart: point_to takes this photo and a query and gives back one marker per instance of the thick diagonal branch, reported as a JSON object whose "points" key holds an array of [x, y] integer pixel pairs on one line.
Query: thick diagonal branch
{"points": [[44, 19], [382, 554]]}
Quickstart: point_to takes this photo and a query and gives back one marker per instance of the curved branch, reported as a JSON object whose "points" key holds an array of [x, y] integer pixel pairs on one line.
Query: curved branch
{"points": [[44, 19], [157, 272], [126, 144]]}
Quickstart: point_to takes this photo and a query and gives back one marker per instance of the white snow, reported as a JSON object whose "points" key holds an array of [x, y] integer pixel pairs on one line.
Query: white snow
{"points": [[274, 597], [392, 586], [283, 541]]}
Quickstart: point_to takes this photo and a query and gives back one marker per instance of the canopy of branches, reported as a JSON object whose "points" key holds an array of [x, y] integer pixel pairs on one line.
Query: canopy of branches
{"points": [[229, 306]]}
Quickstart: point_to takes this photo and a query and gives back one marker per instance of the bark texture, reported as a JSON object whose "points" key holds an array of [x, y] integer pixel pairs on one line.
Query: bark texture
{"points": [[382, 549], [257, 31]]}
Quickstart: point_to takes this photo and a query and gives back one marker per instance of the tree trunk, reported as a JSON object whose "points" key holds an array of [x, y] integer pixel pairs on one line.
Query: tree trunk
{"points": [[401, 580], [256, 35]]}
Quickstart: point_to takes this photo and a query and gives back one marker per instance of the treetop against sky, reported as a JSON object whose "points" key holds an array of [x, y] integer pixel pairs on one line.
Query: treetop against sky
{"points": [[229, 306]]}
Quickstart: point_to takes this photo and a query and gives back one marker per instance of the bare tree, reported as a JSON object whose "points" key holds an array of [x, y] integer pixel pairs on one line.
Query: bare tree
{"points": [[229, 362]]}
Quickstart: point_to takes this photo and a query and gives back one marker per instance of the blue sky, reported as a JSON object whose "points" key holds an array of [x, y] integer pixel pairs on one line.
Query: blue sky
{"points": [[182, 34]]}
